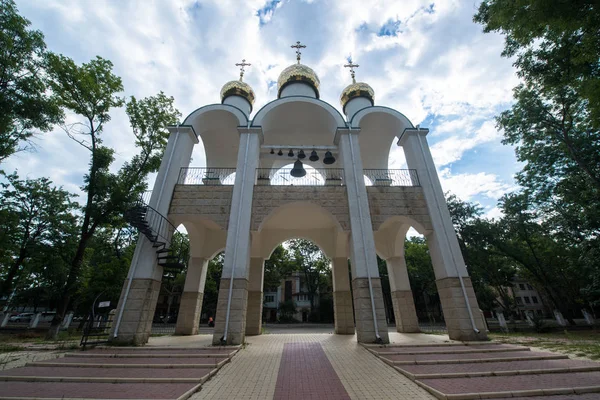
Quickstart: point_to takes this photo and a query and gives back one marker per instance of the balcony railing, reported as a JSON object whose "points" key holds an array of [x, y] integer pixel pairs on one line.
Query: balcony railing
{"points": [[282, 177], [391, 177], [313, 177], [206, 176]]}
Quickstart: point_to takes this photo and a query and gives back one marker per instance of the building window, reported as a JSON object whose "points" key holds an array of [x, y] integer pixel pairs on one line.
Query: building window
{"points": [[529, 287], [527, 301], [534, 299], [522, 286], [269, 299], [518, 300]]}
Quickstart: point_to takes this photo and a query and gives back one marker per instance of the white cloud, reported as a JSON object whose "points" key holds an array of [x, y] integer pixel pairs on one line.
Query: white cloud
{"points": [[467, 186], [434, 62]]}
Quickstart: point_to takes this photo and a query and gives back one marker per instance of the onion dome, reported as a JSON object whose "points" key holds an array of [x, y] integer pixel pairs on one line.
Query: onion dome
{"points": [[298, 73], [357, 89], [238, 88]]}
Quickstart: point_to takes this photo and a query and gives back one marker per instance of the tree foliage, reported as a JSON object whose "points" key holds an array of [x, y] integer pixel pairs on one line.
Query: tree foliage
{"points": [[25, 104]]}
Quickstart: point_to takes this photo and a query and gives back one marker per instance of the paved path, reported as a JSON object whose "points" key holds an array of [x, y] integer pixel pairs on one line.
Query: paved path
{"points": [[254, 371]]}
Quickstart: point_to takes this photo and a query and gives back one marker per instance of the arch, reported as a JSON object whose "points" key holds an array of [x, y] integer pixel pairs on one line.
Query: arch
{"points": [[389, 239], [360, 114], [272, 245], [267, 108], [295, 209], [238, 113]]}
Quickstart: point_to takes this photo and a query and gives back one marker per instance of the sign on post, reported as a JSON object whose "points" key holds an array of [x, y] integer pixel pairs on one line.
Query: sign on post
{"points": [[104, 304]]}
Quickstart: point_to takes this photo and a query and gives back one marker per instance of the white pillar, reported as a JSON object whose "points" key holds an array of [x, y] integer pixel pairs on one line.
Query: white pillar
{"points": [[188, 319], [5, 319], [137, 303], [230, 321], [403, 302], [35, 320], [370, 318], [67, 321], [461, 311]]}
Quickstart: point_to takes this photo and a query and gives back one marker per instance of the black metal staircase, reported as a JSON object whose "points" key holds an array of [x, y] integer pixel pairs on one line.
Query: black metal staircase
{"points": [[160, 232]]}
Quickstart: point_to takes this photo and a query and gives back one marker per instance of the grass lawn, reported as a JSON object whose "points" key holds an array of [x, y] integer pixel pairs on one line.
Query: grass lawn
{"points": [[577, 343], [37, 337]]}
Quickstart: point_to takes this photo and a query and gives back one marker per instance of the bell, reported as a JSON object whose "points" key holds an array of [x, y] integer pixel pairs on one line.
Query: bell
{"points": [[301, 154], [291, 153], [329, 158], [313, 156], [272, 151], [280, 153], [298, 171]]}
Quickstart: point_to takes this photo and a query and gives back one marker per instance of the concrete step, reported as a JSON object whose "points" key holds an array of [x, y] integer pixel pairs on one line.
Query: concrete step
{"points": [[134, 362], [480, 357], [116, 375], [513, 386], [450, 350], [87, 390], [147, 355], [526, 367]]}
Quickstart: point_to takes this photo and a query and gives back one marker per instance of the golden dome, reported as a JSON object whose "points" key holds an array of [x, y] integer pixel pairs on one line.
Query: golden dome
{"points": [[238, 88], [298, 73], [357, 89]]}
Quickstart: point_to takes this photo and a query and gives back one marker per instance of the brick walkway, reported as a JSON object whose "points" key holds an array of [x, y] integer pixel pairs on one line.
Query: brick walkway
{"points": [[306, 373], [494, 371]]}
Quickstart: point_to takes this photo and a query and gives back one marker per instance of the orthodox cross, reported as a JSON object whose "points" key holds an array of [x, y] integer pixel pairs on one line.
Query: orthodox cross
{"points": [[351, 66], [298, 46], [242, 70]]}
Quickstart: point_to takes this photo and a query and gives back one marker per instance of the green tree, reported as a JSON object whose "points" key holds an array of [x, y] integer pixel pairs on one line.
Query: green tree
{"points": [[421, 276], [25, 104], [313, 266], [36, 215], [278, 267], [91, 91]]}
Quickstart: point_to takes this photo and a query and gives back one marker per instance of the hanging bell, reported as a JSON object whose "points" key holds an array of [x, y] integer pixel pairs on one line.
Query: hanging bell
{"points": [[298, 171], [272, 151], [291, 153], [314, 156], [301, 154], [329, 158], [280, 153]]}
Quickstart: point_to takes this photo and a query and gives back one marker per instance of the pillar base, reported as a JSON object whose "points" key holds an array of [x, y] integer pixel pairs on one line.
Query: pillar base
{"points": [[136, 323], [405, 312], [236, 331], [254, 313], [455, 310], [343, 312], [365, 329], [188, 319]]}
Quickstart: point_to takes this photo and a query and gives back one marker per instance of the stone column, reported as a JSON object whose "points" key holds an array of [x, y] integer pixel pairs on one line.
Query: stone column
{"points": [[402, 297], [342, 297], [190, 306], [135, 311], [230, 321], [371, 325], [461, 311], [255, 297]]}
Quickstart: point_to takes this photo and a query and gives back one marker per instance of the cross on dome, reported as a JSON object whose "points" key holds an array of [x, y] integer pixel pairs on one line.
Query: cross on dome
{"points": [[351, 66], [242, 69], [298, 46]]}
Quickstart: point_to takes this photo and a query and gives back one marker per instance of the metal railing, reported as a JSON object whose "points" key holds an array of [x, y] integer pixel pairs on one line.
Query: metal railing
{"points": [[391, 177], [206, 176], [313, 177]]}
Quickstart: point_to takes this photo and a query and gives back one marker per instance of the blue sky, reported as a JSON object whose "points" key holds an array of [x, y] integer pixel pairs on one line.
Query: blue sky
{"points": [[426, 59]]}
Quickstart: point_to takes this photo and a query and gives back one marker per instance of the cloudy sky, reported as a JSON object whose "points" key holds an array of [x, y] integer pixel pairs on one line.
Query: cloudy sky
{"points": [[426, 59]]}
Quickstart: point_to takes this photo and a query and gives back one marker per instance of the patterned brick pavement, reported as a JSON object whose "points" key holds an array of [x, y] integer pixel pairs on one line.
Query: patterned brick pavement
{"points": [[306, 373]]}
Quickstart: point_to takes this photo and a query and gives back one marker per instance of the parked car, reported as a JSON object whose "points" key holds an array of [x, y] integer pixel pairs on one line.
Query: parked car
{"points": [[23, 317], [48, 316]]}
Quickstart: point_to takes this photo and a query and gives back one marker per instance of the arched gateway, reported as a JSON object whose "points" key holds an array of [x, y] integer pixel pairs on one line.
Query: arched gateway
{"points": [[349, 203]]}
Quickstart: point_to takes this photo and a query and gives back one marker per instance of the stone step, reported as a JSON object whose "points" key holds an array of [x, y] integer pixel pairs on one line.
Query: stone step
{"points": [[481, 357], [451, 350], [87, 390], [117, 375], [134, 362], [146, 355], [572, 396], [513, 386], [526, 367]]}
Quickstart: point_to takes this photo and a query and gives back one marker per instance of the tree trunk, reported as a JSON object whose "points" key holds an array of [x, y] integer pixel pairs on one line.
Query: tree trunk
{"points": [[65, 300], [12, 272]]}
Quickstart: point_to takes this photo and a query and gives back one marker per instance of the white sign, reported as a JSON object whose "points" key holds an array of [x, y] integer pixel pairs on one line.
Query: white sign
{"points": [[103, 304]]}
